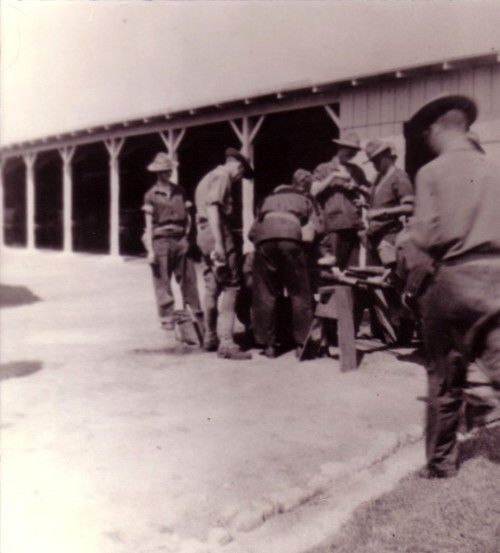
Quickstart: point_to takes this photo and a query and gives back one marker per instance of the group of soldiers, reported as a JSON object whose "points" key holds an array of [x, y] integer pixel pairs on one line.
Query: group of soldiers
{"points": [[444, 228]]}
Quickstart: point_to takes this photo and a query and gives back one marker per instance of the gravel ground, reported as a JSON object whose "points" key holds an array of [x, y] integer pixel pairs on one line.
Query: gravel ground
{"points": [[116, 439]]}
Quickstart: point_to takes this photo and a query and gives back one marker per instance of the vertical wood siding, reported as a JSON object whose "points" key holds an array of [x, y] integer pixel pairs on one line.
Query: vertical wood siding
{"points": [[380, 110]]}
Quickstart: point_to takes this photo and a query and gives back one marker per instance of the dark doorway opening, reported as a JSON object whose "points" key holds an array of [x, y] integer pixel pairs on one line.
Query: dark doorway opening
{"points": [[14, 178], [201, 150], [91, 199], [135, 180], [289, 140], [48, 201]]}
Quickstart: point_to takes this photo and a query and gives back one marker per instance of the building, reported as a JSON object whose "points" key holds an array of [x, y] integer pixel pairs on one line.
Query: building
{"points": [[82, 191]]}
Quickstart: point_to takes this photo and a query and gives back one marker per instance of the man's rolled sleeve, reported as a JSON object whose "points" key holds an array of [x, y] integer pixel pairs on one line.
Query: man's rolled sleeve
{"points": [[425, 228], [147, 205]]}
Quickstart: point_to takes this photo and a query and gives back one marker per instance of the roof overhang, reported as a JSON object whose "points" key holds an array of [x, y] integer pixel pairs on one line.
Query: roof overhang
{"points": [[286, 99]]}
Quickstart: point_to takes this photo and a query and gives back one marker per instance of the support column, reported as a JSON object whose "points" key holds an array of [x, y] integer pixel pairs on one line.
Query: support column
{"points": [[29, 161], [67, 156], [2, 208], [172, 139], [114, 146], [246, 134]]}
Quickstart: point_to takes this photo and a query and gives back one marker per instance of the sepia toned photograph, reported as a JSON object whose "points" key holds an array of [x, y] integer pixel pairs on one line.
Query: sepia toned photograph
{"points": [[250, 276]]}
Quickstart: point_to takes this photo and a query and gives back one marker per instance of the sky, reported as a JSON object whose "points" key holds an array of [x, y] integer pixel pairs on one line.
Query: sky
{"points": [[67, 65]]}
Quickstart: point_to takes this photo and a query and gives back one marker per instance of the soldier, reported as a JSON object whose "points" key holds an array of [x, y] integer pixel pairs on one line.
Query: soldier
{"points": [[456, 222], [286, 218], [339, 186], [167, 219], [391, 199], [216, 239]]}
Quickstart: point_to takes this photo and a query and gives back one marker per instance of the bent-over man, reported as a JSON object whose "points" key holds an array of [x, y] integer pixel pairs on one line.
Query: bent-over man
{"points": [[285, 219], [221, 265]]}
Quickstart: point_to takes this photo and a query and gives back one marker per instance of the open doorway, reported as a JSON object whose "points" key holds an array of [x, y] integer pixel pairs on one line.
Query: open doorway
{"points": [[48, 201], [289, 140], [135, 180], [14, 208], [91, 199]]}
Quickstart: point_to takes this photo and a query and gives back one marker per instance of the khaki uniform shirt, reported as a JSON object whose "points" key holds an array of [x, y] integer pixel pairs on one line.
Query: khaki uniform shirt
{"points": [[169, 208], [214, 189], [283, 214], [338, 207], [457, 204], [391, 189]]}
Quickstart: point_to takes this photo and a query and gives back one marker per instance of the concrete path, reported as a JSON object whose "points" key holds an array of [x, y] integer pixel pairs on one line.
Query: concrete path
{"points": [[118, 440]]}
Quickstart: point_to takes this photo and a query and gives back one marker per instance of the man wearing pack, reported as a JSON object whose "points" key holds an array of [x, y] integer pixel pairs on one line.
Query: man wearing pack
{"points": [[456, 222], [286, 219], [221, 260], [167, 219], [340, 186]]}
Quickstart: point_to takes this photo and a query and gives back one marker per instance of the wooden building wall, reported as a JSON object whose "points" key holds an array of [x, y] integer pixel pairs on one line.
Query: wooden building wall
{"points": [[380, 110]]}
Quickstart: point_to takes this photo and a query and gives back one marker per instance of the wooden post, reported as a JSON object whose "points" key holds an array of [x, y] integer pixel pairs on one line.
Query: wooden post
{"points": [[67, 156], [2, 207], [114, 146], [246, 134], [29, 161], [172, 139], [345, 328]]}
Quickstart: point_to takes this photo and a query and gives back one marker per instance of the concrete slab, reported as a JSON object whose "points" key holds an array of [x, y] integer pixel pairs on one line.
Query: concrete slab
{"points": [[124, 441]]}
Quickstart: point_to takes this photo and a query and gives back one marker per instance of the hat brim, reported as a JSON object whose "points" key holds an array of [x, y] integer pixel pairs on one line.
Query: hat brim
{"points": [[379, 151], [249, 172], [345, 144], [431, 111], [158, 168]]}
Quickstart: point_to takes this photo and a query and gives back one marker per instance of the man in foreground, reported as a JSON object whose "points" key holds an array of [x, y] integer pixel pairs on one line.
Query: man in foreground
{"points": [[221, 264], [456, 223]]}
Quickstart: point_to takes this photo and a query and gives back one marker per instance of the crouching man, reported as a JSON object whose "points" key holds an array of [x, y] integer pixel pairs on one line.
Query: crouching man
{"points": [[221, 264], [286, 218], [167, 223]]}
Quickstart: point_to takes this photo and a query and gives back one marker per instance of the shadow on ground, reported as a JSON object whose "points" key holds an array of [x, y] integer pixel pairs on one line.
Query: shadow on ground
{"points": [[180, 349], [12, 296], [486, 444], [18, 369]]}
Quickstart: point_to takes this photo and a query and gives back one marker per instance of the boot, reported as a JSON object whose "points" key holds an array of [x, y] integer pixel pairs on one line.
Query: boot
{"points": [[232, 351]]}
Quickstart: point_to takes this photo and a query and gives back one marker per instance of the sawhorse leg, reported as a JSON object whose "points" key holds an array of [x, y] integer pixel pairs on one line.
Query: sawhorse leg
{"points": [[345, 328]]}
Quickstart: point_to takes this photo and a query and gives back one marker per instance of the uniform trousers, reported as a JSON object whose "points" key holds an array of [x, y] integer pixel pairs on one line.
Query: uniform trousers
{"points": [[344, 245], [461, 323], [280, 264], [171, 259], [224, 281]]}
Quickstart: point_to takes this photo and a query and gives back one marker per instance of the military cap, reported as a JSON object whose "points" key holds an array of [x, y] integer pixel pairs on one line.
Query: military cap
{"points": [[236, 154], [161, 162], [433, 110]]}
